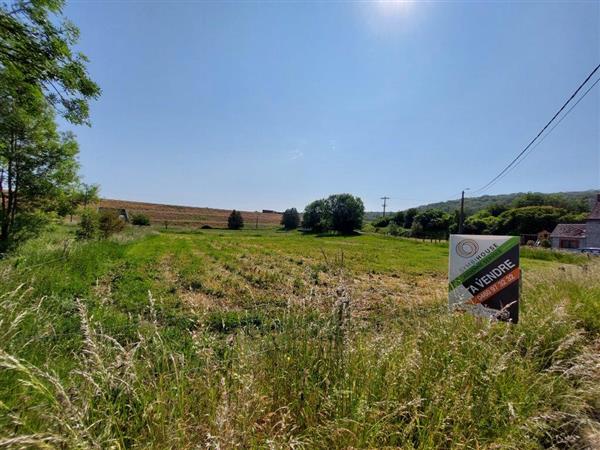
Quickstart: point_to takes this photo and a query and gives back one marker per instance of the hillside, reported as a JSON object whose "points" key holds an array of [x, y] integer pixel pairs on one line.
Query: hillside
{"points": [[474, 204], [189, 216]]}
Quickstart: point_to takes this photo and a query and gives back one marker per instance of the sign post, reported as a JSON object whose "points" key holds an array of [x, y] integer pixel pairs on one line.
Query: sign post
{"points": [[484, 276]]}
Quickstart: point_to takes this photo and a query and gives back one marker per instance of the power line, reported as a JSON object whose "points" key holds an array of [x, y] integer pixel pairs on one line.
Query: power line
{"points": [[514, 161], [548, 133]]}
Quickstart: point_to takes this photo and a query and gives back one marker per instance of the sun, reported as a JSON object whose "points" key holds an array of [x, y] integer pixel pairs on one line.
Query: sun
{"points": [[393, 7]]}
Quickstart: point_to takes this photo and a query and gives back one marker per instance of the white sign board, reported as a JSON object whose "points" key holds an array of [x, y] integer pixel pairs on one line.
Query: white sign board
{"points": [[484, 275]]}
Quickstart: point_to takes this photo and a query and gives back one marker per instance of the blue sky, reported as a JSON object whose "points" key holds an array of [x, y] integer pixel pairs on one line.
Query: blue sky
{"points": [[254, 105]]}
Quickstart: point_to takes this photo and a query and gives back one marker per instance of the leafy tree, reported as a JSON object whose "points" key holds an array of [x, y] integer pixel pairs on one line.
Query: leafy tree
{"points": [[345, 213], [290, 219], [37, 163], [495, 209], [235, 220], [409, 216], [529, 219], [382, 222], [315, 216], [88, 224], [574, 218], [140, 219], [398, 218], [79, 194], [110, 223], [482, 222], [431, 222], [36, 42]]}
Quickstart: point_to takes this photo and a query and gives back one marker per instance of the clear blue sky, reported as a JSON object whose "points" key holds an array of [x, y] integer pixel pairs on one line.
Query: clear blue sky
{"points": [[254, 105]]}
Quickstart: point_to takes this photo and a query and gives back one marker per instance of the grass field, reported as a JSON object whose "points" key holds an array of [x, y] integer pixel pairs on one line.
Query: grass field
{"points": [[269, 339]]}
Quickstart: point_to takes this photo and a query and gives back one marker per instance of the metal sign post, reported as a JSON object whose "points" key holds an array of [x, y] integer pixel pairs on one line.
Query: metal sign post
{"points": [[484, 276]]}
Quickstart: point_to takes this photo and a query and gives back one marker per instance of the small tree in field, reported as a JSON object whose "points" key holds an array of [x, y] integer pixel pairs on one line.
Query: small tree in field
{"points": [[235, 220], [315, 216], [346, 213], [110, 223], [88, 224], [290, 219]]}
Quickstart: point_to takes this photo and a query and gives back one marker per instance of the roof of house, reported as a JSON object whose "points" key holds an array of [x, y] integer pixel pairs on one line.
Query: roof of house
{"points": [[595, 214], [569, 230]]}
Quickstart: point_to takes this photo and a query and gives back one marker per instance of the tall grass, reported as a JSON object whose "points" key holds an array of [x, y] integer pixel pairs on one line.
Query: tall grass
{"points": [[77, 372]]}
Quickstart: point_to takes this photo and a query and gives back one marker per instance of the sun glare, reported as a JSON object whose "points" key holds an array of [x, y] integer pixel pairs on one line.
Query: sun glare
{"points": [[393, 7]]}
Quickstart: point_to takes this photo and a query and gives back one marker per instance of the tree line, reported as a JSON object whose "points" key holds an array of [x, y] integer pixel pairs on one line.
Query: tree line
{"points": [[527, 214]]}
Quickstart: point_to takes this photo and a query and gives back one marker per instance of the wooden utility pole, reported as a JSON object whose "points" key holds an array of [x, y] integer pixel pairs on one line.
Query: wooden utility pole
{"points": [[385, 199], [461, 216]]}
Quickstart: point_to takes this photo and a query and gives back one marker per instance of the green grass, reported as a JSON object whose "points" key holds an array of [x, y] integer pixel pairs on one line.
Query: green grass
{"points": [[270, 339]]}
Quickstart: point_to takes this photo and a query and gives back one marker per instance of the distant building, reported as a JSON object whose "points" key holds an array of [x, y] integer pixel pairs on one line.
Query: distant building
{"points": [[575, 236]]}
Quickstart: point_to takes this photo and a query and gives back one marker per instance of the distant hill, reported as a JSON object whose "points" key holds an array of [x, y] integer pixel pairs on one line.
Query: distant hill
{"points": [[190, 216], [474, 204]]}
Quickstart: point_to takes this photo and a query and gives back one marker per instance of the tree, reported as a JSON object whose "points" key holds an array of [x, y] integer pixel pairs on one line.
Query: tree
{"points": [[482, 222], [398, 218], [529, 219], [88, 224], [290, 219], [235, 220], [431, 222], [315, 216], [110, 223], [37, 163], [37, 43], [382, 222], [79, 194], [409, 216], [345, 213]]}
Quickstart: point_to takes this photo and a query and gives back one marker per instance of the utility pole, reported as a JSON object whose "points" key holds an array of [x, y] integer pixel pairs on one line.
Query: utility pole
{"points": [[461, 216], [385, 199]]}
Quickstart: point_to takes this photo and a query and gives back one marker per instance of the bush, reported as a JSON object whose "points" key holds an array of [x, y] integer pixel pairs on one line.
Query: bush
{"points": [[545, 243], [235, 220], [382, 222], [110, 223], [290, 219], [88, 225], [140, 219]]}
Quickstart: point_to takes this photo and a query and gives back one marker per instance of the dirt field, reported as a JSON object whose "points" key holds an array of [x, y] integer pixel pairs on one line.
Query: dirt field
{"points": [[189, 216]]}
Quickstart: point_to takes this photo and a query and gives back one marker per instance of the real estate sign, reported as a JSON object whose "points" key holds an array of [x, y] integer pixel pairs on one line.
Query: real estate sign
{"points": [[484, 275]]}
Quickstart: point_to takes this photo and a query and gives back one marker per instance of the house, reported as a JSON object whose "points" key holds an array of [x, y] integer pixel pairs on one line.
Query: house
{"points": [[575, 236]]}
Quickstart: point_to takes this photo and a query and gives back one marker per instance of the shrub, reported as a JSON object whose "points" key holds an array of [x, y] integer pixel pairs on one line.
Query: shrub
{"points": [[290, 219], [110, 223], [88, 225], [140, 219], [545, 243], [382, 222], [235, 220]]}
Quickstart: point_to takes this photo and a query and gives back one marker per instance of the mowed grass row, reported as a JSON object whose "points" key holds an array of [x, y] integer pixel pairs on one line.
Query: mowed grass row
{"points": [[243, 339]]}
